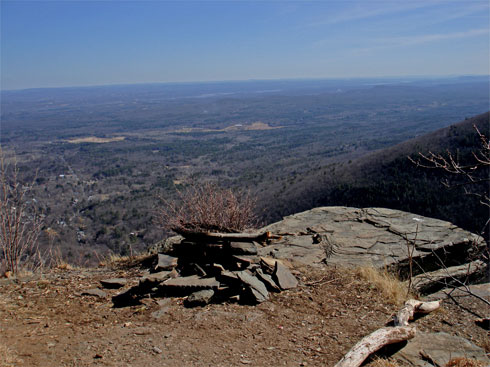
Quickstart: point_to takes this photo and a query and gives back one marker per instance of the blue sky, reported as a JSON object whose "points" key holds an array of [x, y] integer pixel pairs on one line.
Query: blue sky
{"points": [[72, 43]]}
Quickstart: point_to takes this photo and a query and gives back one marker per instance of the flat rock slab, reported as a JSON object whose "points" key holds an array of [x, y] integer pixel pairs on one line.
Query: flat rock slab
{"points": [[433, 281], [441, 347], [283, 277], [267, 280], [360, 237], [246, 259], [200, 298], [165, 262], [96, 292], [192, 281], [258, 290], [481, 290], [113, 283], [243, 248], [155, 278]]}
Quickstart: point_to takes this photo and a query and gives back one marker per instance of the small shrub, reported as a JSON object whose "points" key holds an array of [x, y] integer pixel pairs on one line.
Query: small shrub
{"points": [[394, 290], [208, 208], [20, 224]]}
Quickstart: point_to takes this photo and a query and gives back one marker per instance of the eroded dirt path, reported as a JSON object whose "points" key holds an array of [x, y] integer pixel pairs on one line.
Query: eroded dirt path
{"points": [[44, 321]]}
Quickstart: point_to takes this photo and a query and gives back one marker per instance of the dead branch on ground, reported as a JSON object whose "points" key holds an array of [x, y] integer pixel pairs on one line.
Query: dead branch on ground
{"points": [[387, 335], [373, 342]]}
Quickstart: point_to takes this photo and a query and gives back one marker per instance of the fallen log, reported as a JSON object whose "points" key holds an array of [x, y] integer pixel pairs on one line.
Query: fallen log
{"points": [[388, 335], [373, 342], [209, 236], [411, 307]]}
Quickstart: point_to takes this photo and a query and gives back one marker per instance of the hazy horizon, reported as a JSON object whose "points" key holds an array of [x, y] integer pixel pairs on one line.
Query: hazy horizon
{"points": [[49, 44], [394, 78]]}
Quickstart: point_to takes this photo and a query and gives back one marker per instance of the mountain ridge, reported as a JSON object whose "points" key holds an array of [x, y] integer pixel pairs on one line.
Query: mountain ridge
{"points": [[386, 178]]}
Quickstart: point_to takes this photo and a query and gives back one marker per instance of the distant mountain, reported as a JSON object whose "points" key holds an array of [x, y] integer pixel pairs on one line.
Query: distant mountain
{"points": [[387, 178]]}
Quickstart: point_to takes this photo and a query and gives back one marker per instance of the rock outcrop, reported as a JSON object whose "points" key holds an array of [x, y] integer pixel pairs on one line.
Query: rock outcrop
{"points": [[378, 237], [441, 254], [437, 349]]}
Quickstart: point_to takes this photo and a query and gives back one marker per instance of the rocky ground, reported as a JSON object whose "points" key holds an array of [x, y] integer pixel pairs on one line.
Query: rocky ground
{"points": [[68, 317], [46, 321]]}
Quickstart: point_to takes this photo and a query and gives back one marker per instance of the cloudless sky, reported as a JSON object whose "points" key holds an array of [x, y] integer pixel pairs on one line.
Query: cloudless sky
{"points": [[75, 43]]}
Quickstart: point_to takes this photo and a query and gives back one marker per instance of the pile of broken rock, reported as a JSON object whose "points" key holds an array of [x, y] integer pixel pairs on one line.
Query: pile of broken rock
{"points": [[209, 269]]}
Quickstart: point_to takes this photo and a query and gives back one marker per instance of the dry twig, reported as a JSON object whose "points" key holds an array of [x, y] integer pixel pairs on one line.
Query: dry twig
{"points": [[208, 208], [20, 224]]}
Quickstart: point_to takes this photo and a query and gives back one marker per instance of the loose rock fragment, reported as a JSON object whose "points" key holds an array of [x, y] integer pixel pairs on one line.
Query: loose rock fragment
{"points": [[257, 289], [157, 350], [246, 260], [127, 298], [165, 262], [228, 277], [113, 283], [155, 278], [96, 292], [267, 280], [192, 281], [283, 277], [243, 248], [268, 264], [200, 298]]}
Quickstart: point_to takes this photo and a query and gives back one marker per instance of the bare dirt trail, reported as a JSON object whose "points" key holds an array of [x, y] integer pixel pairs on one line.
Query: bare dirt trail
{"points": [[44, 321]]}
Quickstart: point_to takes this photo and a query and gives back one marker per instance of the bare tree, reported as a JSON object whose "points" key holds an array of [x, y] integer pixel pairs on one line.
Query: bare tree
{"points": [[470, 174], [208, 208], [473, 176], [20, 224]]}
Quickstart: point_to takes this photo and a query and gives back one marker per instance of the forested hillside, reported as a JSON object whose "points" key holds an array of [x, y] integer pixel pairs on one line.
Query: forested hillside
{"points": [[387, 178]]}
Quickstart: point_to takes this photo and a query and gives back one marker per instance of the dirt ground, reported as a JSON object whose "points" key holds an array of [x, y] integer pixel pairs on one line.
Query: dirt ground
{"points": [[44, 321]]}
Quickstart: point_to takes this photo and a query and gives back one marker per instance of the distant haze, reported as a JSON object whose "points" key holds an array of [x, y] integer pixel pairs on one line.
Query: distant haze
{"points": [[75, 43]]}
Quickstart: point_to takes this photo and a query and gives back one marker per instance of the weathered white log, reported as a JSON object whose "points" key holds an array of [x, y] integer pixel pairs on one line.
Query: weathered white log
{"points": [[374, 342], [406, 313], [388, 335], [428, 307], [411, 307], [247, 237]]}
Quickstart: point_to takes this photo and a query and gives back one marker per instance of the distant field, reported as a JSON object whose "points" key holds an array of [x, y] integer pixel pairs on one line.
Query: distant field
{"points": [[94, 139], [237, 127]]}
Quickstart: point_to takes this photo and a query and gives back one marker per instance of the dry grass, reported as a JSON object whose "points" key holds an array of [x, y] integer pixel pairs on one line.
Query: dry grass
{"points": [[394, 290], [63, 266], [464, 362], [7, 357], [381, 362], [125, 262]]}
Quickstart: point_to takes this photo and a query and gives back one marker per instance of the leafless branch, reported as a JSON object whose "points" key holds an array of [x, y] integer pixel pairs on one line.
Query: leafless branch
{"points": [[208, 208], [451, 164], [20, 224]]}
